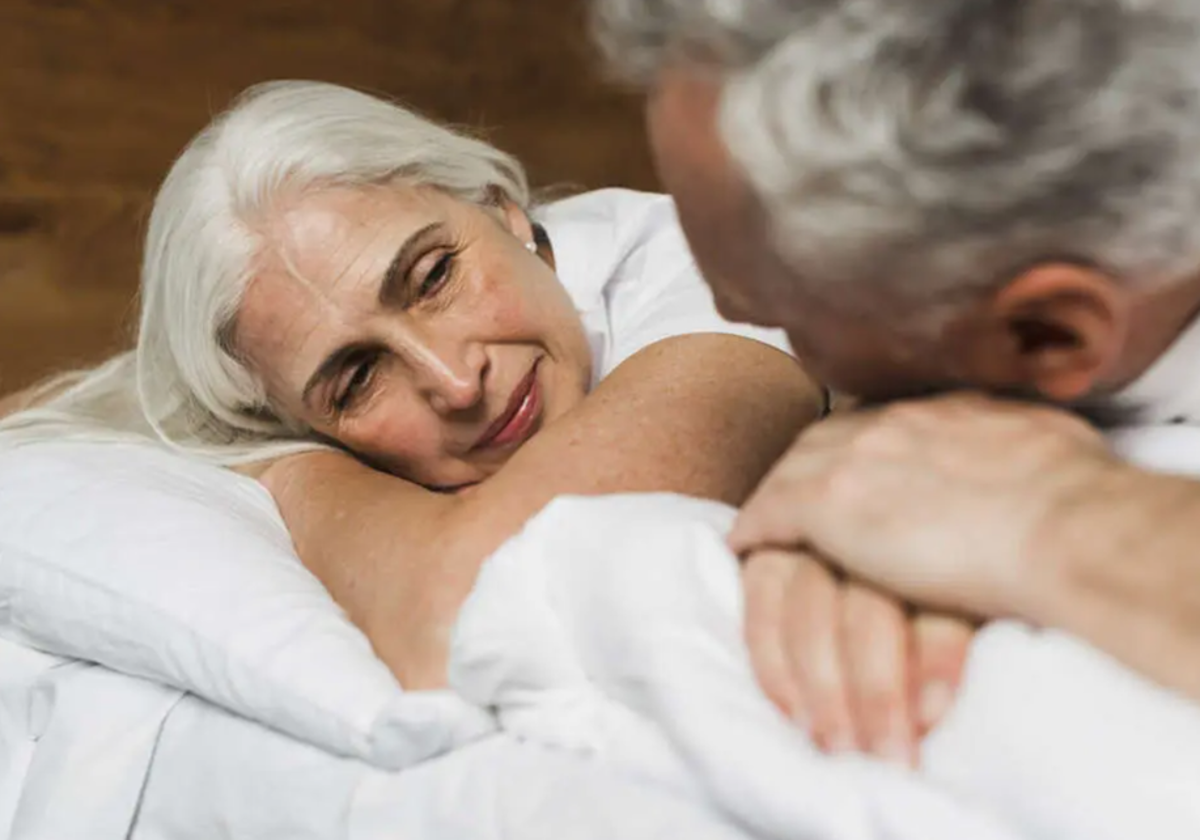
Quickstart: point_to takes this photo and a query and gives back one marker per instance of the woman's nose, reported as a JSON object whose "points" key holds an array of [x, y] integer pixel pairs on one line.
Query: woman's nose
{"points": [[451, 379]]}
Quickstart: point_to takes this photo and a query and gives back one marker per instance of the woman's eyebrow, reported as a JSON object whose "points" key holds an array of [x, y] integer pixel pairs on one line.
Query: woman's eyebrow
{"points": [[391, 288]]}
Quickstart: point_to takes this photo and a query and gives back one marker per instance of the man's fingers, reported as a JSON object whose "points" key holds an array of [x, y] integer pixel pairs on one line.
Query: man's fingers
{"points": [[766, 578], [814, 650], [774, 515], [776, 512], [940, 644], [876, 648]]}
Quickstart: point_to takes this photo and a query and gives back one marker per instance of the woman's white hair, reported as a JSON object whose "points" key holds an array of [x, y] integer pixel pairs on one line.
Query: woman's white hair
{"points": [[921, 152], [183, 384]]}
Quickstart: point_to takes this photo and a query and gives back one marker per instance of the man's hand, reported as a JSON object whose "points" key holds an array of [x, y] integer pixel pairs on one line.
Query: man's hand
{"points": [[939, 501], [847, 663]]}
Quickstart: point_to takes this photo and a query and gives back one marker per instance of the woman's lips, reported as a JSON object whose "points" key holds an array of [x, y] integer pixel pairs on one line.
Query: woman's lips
{"points": [[520, 417]]}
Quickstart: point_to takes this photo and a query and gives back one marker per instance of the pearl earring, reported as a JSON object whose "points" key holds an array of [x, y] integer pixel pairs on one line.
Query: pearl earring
{"points": [[531, 247]]}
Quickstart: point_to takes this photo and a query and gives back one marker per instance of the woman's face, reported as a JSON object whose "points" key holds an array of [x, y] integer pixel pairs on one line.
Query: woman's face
{"points": [[414, 329]]}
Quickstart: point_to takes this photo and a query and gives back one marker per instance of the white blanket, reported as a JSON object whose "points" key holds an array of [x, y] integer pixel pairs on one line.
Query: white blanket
{"points": [[611, 627]]}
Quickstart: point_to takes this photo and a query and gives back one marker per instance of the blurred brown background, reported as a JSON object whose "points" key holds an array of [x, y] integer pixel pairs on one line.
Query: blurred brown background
{"points": [[97, 96]]}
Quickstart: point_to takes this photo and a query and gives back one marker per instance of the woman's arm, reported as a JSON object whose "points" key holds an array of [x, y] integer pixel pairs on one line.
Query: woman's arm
{"points": [[14, 402], [704, 415]]}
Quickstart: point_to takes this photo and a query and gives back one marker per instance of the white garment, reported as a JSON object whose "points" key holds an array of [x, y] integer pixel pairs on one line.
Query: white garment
{"points": [[624, 261], [1169, 390]]}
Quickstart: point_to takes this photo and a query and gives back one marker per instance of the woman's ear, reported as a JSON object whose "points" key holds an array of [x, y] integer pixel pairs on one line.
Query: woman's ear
{"points": [[512, 215], [1057, 329]]}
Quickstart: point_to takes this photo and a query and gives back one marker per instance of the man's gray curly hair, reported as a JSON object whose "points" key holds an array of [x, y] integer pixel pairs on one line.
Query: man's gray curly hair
{"points": [[939, 146]]}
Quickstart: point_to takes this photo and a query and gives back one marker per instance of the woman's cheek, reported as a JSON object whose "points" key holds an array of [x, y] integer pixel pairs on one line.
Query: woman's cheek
{"points": [[390, 430], [508, 316]]}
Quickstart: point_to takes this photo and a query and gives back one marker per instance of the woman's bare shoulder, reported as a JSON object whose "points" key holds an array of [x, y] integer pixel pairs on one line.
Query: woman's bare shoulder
{"points": [[14, 402], [37, 394]]}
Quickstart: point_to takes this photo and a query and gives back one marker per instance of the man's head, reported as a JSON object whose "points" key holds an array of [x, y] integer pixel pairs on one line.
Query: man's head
{"points": [[996, 193]]}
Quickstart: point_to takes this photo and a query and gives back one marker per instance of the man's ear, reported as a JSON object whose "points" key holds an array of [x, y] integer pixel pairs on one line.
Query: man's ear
{"points": [[1057, 329]]}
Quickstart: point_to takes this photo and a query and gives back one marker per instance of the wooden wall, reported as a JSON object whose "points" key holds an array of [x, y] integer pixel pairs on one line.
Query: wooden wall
{"points": [[97, 96]]}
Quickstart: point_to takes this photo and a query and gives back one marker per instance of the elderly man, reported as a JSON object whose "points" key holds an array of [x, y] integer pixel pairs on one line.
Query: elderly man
{"points": [[930, 197]]}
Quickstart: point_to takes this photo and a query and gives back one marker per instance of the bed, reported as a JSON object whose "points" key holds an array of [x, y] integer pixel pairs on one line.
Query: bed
{"points": [[168, 669]]}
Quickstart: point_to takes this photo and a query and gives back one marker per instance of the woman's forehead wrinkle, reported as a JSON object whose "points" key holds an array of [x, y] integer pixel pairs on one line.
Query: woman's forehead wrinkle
{"points": [[342, 238], [284, 243], [309, 243], [375, 231]]}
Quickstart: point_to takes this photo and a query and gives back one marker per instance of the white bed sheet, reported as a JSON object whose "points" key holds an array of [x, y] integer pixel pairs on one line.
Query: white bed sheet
{"points": [[76, 742], [218, 775], [88, 754]]}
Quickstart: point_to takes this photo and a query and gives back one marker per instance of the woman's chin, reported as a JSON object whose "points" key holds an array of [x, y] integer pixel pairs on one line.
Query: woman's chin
{"points": [[457, 480]]}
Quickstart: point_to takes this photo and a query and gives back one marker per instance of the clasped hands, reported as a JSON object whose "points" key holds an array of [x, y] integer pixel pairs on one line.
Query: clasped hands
{"points": [[881, 540]]}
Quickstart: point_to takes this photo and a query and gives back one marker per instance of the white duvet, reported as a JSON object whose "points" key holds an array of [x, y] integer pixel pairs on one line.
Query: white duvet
{"points": [[604, 640], [627, 647]]}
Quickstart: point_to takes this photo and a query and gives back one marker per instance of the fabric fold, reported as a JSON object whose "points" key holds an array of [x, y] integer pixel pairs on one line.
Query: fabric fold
{"points": [[628, 644]]}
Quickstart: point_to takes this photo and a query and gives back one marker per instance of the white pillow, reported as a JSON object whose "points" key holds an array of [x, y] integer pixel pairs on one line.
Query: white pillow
{"points": [[156, 566]]}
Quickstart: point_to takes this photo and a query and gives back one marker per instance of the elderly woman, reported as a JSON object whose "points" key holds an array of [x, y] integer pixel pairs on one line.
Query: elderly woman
{"points": [[367, 312]]}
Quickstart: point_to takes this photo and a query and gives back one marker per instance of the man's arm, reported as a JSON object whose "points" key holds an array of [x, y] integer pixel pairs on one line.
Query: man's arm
{"points": [[995, 508], [1119, 566], [704, 415]]}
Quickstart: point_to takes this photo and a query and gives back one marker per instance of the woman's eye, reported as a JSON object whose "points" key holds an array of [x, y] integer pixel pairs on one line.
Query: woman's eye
{"points": [[436, 276], [360, 377]]}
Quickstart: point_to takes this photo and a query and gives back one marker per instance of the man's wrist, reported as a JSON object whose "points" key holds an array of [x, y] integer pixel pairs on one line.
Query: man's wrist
{"points": [[1102, 553], [1093, 520], [1118, 572]]}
